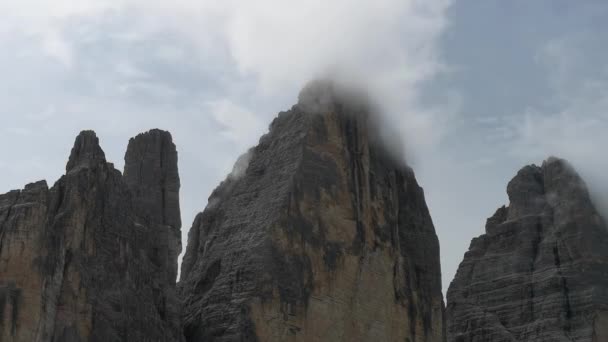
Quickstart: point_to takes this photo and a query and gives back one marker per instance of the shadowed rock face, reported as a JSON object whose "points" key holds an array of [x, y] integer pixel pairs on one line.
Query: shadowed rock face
{"points": [[151, 175], [318, 235], [85, 260], [540, 273]]}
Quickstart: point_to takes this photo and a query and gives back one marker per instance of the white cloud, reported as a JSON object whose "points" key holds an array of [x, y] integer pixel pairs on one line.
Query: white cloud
{"points": [[389, 45], [287, 42], [57, 48], [560, 56], [239, 125], [576, 130], [43, 115]]}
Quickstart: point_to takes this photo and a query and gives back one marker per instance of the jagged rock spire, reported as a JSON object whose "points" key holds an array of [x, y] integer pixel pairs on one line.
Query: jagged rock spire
{"points": [[152, 175], [86, 151], [320, 237], [81, 262], [540, 272]]}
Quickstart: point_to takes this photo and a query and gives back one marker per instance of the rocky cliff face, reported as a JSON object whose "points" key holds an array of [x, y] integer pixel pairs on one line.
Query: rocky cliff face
{"points": [[94, 257], [540, 272], [317, 235]]}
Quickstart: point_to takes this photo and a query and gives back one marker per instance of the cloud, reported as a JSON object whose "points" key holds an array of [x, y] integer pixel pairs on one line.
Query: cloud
{"points": [[239, 125], [214, 73], [267, 48], [57, 48], [575, 123]]}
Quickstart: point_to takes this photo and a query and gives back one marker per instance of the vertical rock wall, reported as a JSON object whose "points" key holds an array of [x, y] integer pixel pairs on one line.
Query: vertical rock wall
{"points": [[83, 260], [540, 272], [324, 237]]}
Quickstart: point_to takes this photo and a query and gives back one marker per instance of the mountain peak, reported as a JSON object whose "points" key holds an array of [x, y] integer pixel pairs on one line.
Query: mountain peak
{"points": [[99, 261], [324, 95], [317, 218], [152, 175], [86, 151], [540, 270]]}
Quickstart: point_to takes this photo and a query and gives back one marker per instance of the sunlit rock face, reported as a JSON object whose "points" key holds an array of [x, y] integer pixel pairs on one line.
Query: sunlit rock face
{"points": [[85, 260], [319, 236], [540, 272]]}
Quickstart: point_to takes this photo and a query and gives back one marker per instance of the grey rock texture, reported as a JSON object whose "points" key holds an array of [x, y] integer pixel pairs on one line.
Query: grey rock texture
{"points": [[317, 235], [540, 272], [152, 176], [84, 260]]}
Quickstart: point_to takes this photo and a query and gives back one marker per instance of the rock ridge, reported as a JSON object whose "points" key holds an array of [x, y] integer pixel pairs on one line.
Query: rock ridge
{"points": [[83, 260], [540, 272]]}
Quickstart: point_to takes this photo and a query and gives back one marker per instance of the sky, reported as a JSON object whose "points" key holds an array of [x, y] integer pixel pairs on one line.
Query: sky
{"points": [[476, 89]]}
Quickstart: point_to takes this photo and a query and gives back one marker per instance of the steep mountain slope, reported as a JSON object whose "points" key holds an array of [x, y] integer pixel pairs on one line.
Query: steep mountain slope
{"points": [[85, 260], [317, 235], [540, 272]]}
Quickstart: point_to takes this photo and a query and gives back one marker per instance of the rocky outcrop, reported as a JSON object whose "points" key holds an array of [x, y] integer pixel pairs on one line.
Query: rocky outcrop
{"points": [[89, 258], [317, 235], [540, 272], [151, 175]]}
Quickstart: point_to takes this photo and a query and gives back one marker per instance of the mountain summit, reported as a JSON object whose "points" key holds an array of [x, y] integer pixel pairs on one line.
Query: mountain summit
{"points": [[540, 272], [85, 260], [321, 236]]}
